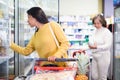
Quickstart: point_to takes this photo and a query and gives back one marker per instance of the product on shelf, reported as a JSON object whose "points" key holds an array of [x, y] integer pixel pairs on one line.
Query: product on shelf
{"points": [[2, 49], [0, 42], [1, 14], [78, 30]]}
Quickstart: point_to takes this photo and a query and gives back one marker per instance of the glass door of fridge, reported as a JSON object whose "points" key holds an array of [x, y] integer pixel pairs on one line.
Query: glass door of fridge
{"points": [[25, 32], [6, 28], [117, 40]]}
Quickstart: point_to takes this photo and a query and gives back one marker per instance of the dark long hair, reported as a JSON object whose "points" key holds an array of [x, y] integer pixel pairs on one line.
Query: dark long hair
{"points": [[38, 14], [101, 19], [110, 27]]}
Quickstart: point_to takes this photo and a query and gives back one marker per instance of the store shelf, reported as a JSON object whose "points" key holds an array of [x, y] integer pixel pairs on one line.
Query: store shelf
{"points": [[3, 3], [6, 7], [117, 42], [77, 47], [4, 67], [78, 33], [4, 58], [78, 30], [76, 39]]}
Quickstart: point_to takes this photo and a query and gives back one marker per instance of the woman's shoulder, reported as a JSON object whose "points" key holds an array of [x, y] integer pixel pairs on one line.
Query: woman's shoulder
{"points": [[107, 31], [54, 24]]}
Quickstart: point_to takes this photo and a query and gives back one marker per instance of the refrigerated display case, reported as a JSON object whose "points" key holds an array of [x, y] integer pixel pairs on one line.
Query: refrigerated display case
{"points": [[116, 40], [6, 24]]}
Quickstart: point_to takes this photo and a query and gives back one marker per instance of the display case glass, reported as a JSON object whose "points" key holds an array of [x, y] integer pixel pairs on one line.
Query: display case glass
{"points": [[116, 40], [6, 29]]}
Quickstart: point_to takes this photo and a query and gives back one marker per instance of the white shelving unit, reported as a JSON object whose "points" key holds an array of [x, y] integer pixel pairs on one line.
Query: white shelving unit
{"points": [[78, 29]]}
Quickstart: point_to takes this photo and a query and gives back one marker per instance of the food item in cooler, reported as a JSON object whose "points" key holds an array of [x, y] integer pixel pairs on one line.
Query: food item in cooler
{"points": [[2, 49], [1, 13], [0, 42]]}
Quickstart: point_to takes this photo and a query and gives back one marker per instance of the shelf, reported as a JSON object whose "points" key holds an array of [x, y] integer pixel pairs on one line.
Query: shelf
{"points": [[77, 47], [78, 27], [76, 39], [82, 34], [3, 3], [78, 30], [23, 22], [116, 41], [3, 59]]}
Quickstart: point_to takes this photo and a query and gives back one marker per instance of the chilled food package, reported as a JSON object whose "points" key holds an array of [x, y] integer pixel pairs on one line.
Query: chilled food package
{"points": [[61, 75], [2, 48], [5, 32]]}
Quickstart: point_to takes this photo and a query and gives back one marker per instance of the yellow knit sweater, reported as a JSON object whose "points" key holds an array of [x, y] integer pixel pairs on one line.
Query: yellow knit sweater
{"points": [[44, 43]]}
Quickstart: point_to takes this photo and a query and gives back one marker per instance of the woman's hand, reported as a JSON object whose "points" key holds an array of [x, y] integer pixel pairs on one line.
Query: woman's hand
{"points": [[94, 46], [51, 58]]}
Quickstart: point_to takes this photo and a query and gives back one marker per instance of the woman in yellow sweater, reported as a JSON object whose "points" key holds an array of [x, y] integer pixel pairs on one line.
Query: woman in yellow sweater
{"points": [[43, 41]]}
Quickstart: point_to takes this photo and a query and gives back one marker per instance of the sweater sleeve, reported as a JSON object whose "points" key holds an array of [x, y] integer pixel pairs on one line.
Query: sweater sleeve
{"points": [[23, 50], [108, 38], [62, 40]]}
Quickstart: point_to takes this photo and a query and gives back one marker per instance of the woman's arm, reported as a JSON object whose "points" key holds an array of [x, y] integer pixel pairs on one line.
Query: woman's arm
{"points": [[23, 50]]}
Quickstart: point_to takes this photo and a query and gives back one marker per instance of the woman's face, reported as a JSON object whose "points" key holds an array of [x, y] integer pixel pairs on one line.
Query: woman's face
{"points": [[31, 21], [97, 23]]}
